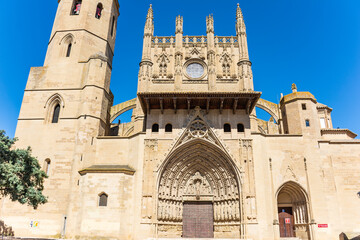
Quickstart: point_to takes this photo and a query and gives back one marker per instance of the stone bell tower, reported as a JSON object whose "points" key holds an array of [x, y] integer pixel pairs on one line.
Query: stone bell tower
{"points": [[66, 107]]}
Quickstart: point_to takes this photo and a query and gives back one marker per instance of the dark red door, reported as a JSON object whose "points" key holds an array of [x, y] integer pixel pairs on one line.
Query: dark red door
{"points": [[198, 220], [286, 222]]}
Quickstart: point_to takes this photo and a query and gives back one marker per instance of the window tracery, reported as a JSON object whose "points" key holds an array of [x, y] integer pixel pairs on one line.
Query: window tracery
{"points": [[226, 65], [163, 61]]}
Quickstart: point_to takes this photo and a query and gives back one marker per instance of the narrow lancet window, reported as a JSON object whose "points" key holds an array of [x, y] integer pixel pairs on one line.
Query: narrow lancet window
{"points": [[47, 166], [68, 51], [56, 114], [307, 123], [112, 26]]}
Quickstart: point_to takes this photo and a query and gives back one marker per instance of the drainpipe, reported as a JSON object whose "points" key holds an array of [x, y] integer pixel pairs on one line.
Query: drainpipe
{"points": [[64, 228]]}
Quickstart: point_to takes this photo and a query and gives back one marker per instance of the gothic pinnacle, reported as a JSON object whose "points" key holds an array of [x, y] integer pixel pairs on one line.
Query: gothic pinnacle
{"points": [[150, 12], [240, 24], [239, 14], [149, 25], [210, 24], [179, 24]]}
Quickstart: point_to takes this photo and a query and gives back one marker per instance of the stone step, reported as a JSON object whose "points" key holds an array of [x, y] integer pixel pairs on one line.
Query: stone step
{"points": [[18, 238], [290, 238], [199, 239]]}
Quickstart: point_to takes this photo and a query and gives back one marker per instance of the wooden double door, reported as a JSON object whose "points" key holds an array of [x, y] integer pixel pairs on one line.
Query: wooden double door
{"points": [[286, 222], [198, 220]]}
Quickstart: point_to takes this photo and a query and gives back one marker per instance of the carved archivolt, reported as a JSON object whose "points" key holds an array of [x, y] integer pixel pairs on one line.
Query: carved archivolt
{"points": [[198, 169]]}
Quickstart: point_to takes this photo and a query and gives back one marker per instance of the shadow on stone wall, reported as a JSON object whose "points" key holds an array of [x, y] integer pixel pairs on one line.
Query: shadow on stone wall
{"points": [[5, 230], [349, 236]]}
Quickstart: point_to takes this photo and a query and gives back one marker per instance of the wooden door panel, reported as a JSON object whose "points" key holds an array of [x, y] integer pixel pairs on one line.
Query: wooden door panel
{"points": [[198, 220], [286, 223]]}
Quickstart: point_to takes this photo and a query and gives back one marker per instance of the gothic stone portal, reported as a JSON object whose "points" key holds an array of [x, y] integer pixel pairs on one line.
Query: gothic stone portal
{"points": [[293, 211], [198, 171]]}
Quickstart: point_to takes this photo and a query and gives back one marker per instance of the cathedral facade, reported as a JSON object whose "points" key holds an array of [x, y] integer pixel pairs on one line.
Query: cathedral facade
{"points": [[195, 161]]}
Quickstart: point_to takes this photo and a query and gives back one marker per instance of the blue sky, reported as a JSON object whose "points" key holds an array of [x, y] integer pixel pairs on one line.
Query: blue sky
{"points": [[315, 44]]}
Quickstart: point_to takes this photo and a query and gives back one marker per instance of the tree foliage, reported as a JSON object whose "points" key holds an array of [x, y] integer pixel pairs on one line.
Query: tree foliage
{"points": [[21, 178]]}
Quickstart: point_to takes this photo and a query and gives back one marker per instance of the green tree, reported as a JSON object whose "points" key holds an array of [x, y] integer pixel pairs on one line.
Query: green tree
{"points": [[21, 178]]}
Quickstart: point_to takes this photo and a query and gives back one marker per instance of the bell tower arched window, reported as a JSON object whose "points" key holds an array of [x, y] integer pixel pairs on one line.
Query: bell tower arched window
{"points": [[67, 45], [55, 118], [99, 9], [53, 108], [76, 7]]}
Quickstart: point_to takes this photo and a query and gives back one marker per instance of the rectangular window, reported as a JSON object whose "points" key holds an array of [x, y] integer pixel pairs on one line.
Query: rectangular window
{"points": [[307, 123], [303, 106], [322, 123]]}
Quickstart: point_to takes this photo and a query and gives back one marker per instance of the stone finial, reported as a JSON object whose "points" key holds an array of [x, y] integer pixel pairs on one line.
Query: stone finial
{"points": [[238, 12], [294, 88], [149, 25], [150, 13], [210, 24], [179, 24]]}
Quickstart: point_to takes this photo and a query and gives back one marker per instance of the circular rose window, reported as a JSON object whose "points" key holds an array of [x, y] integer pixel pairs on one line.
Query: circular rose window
{"points": [[195, 70]]}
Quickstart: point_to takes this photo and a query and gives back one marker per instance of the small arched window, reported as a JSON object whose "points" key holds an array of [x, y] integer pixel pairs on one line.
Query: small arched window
{"points": [[113, 26], [99, 9], [155, 127], [76, 7], [55, 118], [103, 199], [47, 166], [68, 51], [168, 128], [307, 123], [240, 127], [227, 127]]}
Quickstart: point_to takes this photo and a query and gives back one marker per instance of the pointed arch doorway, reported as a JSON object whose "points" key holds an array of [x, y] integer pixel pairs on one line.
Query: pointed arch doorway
{"points": [[198, 189], [293, 211]]}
